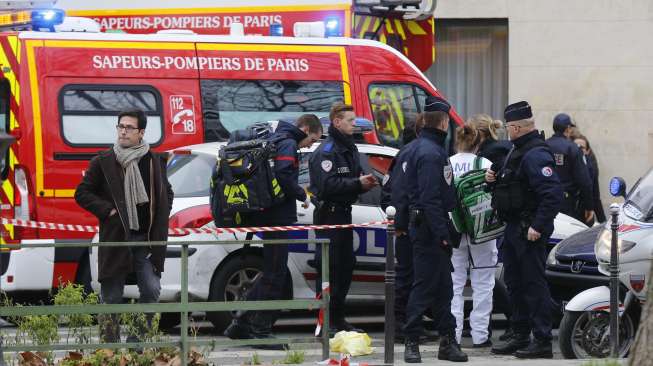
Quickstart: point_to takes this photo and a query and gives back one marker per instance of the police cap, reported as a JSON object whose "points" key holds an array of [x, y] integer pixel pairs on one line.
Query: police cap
{"points": [[518, 111], [562, 121], [435, 104]]}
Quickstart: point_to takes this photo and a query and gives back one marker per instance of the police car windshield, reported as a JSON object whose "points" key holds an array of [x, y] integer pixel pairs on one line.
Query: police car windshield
{"points": [[639, 203], [189, 174]]}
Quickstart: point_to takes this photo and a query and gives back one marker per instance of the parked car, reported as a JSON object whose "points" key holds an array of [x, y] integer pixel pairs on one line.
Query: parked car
{"points": [[571, 267], [225, 272]]}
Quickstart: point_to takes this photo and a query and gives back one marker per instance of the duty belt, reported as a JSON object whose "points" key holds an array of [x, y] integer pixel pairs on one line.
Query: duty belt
{"points": [[333, 206]]}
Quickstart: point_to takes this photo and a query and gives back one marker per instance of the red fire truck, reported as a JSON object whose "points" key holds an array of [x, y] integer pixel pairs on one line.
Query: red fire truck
{"points": [[61, 89]]}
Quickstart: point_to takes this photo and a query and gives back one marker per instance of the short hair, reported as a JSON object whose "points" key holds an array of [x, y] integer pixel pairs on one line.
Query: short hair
{"points": [[525, 122], [310, 120], [135, 113], [338, 110], [559, 128], [434, 119]]}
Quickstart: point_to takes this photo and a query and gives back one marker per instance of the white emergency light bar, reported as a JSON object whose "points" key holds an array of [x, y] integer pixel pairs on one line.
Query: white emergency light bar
{"points": [[26, 4], [410, 9]]}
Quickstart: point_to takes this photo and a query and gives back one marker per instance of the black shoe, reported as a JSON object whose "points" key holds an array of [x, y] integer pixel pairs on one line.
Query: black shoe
{"points": [[536, 349], [238, 330], [485, 344], [346, 326], [507, 335], [450, 349], [516, 342], [411, 351]]}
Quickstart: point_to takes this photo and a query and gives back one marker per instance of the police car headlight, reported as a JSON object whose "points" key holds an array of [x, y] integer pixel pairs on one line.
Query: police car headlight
{"points": [[604, 242], [551, 259]]}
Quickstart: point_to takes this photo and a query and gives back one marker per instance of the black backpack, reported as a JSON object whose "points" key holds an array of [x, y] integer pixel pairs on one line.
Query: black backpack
{"points": [[243, 179]]}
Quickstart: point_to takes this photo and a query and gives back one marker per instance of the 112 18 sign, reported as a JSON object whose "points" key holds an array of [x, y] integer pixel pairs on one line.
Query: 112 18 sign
{"points": [[183, 114]]}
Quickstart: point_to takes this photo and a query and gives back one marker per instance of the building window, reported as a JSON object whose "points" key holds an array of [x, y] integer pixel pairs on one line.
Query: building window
{"points": [[471, 65]]}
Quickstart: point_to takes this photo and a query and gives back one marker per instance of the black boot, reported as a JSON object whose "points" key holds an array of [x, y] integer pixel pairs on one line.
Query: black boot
{"points": [[342, 324], [538, 348], [411, 351], [262, 323], [507, 335], [515, 343], [240, 327], [450, 349]]}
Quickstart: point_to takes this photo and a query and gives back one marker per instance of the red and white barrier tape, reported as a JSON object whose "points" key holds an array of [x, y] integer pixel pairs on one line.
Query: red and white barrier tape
{"points": [[186, 231]]}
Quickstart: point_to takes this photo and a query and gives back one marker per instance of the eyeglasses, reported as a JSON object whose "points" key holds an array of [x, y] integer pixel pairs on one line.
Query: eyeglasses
{"points": [[128, 129]]}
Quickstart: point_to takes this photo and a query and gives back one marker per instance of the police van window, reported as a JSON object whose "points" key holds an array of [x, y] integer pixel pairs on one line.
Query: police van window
{"points": [[229, 105], [88, 113], [190, 174], [393, 106]]}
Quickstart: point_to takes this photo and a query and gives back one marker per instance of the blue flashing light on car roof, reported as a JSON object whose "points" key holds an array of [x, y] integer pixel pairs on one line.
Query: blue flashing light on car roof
{"points": [[46, 19], [332, 27], [276, 30]]}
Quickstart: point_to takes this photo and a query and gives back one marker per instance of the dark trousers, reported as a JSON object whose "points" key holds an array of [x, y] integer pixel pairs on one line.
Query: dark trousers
{"points": [[432, 286], [111, 289], [404, 270], [341, 259], [270, 285], [524, 263]]}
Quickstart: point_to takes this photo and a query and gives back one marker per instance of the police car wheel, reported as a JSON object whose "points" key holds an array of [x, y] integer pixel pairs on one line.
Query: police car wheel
{"points": [[169, 320], [230, 283]]}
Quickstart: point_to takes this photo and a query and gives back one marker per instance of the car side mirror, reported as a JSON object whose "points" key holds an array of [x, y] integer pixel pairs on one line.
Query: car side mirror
{"points": [[618, 187]]}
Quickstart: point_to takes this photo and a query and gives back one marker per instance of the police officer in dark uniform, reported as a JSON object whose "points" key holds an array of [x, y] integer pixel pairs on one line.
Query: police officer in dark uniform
{"points": [[431, 197], [336, 182], [572, 170], [289, 137], [393, 193], [528, 195]]}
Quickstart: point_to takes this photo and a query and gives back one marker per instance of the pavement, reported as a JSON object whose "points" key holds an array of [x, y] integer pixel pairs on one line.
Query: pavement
{"points": [[302, 326]]}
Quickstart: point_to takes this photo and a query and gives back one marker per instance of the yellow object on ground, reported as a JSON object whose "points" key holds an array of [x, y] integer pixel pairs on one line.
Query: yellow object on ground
{"points": [[351, 343]]}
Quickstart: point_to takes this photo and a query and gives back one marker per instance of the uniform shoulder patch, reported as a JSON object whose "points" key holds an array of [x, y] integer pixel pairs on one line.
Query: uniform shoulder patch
{"points": [[404, 165], [328, 147], [547, 171], [327, 165]]}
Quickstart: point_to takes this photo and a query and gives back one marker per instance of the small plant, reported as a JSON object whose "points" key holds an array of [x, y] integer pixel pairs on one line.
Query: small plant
{"points": [[255, 360], [294, 357], [78, 324], [43, 330]]}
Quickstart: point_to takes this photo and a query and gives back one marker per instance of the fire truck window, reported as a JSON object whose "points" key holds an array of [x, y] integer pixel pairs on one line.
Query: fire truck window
{"points": [[88, 114], [4, 124], [236, 104], [394, 106]]}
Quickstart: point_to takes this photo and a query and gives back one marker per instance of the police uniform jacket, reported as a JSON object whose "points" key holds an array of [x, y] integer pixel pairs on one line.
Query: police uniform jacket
{"points": [[495, 151], [571, 169], [286, 170], [540, 184], [335, 169], [429, 180], [394, 190]]}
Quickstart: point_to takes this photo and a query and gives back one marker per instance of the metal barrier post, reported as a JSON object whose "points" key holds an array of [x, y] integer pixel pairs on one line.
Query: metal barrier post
{"points": [[326, 299], [614, 282], [184, 302], [389, 327]]}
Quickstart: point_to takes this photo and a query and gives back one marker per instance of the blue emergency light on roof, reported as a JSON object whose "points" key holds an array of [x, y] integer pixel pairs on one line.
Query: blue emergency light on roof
{"points": [[276, 30], [332, 27], [47, 19]]}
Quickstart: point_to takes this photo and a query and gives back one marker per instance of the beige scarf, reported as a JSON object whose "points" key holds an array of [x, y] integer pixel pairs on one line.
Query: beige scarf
{"points": [[135, 193]]}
